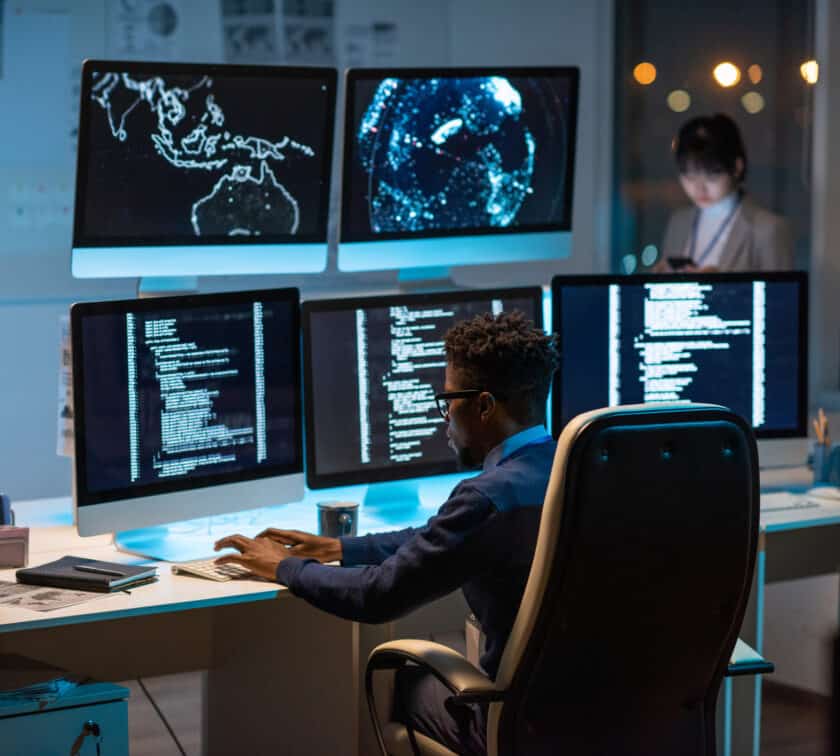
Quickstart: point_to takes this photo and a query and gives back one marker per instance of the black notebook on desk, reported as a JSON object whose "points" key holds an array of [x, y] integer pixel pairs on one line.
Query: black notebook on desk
{"points": [[83, 574]]}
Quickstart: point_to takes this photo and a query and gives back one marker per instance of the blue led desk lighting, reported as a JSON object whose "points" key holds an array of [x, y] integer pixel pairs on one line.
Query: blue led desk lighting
{"points": [[736, 339], [371, 369], [457, 166], [200, 169], [184, 407]]}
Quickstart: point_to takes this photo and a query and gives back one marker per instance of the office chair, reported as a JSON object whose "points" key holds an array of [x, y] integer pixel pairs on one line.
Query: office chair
{"points": [[636, 594]]}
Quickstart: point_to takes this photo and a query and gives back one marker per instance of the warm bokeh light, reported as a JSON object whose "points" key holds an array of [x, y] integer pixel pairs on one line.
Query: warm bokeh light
{"points": [[727, 74], [755, 73], [810, 71], [679, 100], [649, 255], [753, 102], [645, 73]]}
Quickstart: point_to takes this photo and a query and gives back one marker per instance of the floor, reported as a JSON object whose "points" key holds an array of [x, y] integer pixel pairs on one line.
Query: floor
{"points": [[794, 723], [180, 699]]}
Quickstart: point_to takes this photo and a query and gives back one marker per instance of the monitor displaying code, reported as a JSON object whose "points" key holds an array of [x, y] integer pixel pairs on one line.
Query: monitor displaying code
{"points": [[738, 340], [373, 367], [178, 395]]}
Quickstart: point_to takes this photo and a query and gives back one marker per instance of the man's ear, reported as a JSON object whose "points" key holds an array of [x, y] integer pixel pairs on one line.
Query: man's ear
{"points": [[486, 405]]}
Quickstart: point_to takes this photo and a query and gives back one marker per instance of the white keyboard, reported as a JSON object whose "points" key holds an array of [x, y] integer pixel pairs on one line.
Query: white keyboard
{"points": [[792, 506], [207, 568], [785, 502]]}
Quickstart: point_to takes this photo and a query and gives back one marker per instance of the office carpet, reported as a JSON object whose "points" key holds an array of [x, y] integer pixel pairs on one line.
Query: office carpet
{"points": [[793, 722]]}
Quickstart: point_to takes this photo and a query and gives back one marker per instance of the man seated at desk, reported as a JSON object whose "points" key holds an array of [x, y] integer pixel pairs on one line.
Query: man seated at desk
{"points": [[498, 371]]}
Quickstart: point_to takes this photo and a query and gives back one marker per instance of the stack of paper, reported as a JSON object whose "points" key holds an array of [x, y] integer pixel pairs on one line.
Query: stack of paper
{"points": [[23, 679]]}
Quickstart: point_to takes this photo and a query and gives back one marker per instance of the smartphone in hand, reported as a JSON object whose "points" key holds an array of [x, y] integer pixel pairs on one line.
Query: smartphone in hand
{"points": [[678, 263]]}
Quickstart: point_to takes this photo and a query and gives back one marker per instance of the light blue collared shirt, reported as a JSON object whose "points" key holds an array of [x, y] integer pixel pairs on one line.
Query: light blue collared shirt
{"points": [[534, 434]]}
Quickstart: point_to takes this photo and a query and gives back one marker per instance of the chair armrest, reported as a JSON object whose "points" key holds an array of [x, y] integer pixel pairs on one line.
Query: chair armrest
{"points": [[468, 684]]}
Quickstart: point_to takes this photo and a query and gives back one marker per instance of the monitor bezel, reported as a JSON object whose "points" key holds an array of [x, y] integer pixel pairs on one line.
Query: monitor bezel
{"points": [[800, 278], [451, 72], [328, 75], [83, 497], [315, 480]]}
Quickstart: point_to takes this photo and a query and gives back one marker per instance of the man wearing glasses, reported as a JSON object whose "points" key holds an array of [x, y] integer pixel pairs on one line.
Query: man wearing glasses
{"points": [[482, 539]]}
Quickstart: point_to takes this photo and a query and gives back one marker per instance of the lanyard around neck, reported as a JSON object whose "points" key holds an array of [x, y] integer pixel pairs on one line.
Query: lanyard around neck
{"points": [[716, 238]]}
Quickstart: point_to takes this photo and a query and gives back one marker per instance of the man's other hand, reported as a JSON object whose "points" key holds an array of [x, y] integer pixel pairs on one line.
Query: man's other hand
{"points": [[260, 555], [305, 545]]}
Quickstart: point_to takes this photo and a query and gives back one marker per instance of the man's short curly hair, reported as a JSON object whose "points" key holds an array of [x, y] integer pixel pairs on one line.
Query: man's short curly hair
{"points": [[508, 356]]}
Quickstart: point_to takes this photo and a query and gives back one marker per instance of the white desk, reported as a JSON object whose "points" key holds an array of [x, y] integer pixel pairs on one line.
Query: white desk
{"points": [[282, 676], [302, 669], [266, 662]]}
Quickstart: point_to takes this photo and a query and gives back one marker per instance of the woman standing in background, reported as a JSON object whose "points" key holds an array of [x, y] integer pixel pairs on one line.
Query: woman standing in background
{"points": [[724, 230]]}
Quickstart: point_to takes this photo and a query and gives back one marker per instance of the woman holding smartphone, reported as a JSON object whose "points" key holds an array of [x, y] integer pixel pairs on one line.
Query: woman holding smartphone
{"points": [[723, 229]]}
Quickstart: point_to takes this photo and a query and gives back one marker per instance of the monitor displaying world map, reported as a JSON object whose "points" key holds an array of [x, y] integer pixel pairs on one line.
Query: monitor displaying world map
{"points": [[188, 154]]}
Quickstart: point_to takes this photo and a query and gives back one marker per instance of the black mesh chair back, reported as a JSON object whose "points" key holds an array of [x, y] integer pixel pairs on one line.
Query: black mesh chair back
{"points": [[638, 589]]}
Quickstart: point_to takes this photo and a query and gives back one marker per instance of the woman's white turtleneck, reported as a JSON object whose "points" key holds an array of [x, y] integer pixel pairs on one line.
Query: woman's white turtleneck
{"points": [[708, 226]]}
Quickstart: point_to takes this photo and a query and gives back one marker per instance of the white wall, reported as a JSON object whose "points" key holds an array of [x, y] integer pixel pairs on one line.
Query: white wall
{"points": [[42, 46]]}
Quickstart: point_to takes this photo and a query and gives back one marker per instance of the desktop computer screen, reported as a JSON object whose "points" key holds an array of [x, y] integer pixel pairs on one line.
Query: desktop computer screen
{"points": [[736, 339], [199, 169], [185, 407], [485, 155], [372, 368]]}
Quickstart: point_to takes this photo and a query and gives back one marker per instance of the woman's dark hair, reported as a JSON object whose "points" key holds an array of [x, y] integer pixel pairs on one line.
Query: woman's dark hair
{"points": [[508, 356], [711, 143]]}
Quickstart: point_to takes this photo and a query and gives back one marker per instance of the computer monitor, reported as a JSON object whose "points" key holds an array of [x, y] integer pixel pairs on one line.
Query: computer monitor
{"points": [[185, 407], [455, 166], [199, 169], [736, 339], [371, 369]]}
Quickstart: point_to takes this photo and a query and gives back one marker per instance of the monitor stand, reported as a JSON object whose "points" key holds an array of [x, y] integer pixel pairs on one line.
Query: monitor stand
{"points": [[418, 280], [393, 501], [166, 286]]}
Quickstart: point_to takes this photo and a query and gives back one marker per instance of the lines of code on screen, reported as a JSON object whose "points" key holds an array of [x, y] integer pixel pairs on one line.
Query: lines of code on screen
{"points": [[730, 343], [184, 394], [375, 372]]}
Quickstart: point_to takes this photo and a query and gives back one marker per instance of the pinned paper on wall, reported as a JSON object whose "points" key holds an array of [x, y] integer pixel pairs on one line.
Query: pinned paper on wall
{"points": [[249, 31], [39, 203], [371, 45], [64, 441], [309, 32], [75, 93], [142, 29], [2, 14]]}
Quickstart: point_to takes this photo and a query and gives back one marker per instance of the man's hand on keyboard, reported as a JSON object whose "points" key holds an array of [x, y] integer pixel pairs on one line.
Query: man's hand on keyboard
{"points": [[306, 545], [260, 555]]}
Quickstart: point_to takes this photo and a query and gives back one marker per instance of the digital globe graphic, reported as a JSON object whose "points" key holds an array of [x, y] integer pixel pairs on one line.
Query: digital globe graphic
{"points": [[446, 153]]}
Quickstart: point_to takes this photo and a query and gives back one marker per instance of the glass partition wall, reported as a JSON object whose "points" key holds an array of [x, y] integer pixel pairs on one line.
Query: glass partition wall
{"points": [[752, 60]]}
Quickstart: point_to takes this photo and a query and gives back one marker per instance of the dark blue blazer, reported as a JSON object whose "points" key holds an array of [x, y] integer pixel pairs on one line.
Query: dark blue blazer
{"points": [[481, 540]]}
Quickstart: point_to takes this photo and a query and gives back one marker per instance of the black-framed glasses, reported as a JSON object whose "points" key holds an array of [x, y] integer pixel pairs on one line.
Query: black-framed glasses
{"points": [[444, 399]]}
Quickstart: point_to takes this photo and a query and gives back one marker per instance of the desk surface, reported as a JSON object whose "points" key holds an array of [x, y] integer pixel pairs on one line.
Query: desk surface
{"points": [[52, 535], [170, 593]]}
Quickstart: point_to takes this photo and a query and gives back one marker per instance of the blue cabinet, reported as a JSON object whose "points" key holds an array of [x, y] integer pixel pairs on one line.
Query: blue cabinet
{"points": [[72, 720]]}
